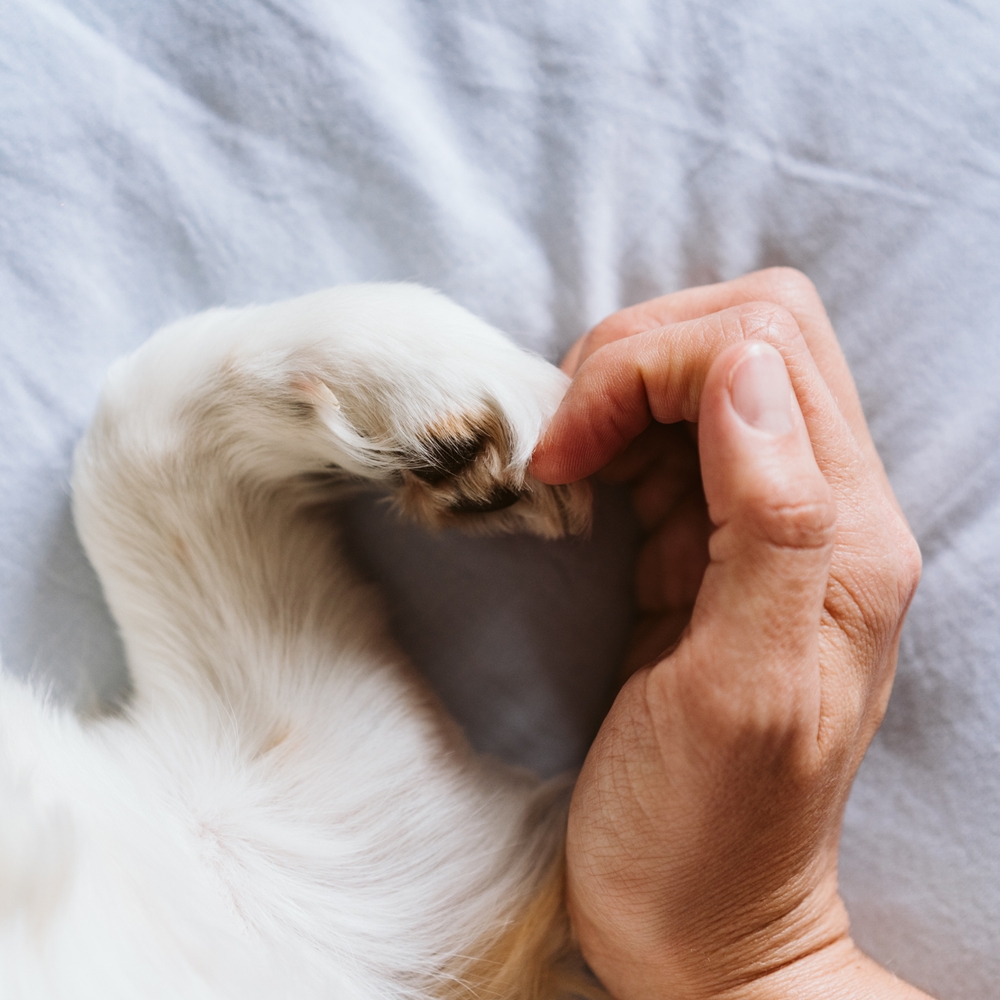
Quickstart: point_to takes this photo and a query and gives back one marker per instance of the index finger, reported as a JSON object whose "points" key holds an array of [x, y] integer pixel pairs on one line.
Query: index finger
{"points": [[782, 286], [658, 375]]}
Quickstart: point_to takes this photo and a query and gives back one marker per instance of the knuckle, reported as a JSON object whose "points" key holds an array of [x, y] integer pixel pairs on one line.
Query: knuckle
{"points": [[871, 592], [896, 569], [807, 522], [866, 619], [768, 321], [911, 567], [788, 285]]}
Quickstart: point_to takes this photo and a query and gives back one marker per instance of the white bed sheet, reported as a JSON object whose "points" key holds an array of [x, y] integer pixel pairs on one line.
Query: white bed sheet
{"points": [[544, 164]]}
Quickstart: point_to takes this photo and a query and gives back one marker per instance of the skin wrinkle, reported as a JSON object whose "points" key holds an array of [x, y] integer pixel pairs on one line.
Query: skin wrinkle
{"points": [[785, 908]]}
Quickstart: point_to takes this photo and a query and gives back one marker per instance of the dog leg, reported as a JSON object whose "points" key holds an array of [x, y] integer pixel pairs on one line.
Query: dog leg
{"points": [[197, 485], [202, 494]]}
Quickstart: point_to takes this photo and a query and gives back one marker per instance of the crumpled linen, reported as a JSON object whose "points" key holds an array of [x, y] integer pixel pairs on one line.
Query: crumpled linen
{"points": [[544, 164]]}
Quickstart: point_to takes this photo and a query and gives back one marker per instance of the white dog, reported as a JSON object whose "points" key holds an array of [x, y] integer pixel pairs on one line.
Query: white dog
{"points": [[283, 810]]}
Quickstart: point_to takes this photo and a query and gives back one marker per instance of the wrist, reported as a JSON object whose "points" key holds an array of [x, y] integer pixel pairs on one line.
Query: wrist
{"points": [[838, 972], [818, 963], [706, 955]]}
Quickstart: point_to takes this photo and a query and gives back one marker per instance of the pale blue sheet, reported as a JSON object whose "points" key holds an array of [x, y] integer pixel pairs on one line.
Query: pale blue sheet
{"points": [[543, 163]]}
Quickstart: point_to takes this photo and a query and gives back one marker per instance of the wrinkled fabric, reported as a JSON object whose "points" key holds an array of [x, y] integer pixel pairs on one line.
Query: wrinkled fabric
{"points": [[544, 164]]}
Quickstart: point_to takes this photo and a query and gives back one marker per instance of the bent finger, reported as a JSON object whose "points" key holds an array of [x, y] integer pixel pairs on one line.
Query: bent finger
{"points": [[659, 374], [783, 286]]}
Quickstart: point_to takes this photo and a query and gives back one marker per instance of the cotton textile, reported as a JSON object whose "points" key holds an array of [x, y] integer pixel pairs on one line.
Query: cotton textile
{"points": [[544, 164]]}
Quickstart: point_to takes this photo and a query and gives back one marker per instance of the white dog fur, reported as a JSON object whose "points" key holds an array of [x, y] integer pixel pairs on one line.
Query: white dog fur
{"points": [[282, 809]]}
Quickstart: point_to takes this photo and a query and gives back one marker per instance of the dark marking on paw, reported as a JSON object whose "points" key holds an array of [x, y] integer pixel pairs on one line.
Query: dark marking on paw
{"points": [[448, 458], [500, 498]]}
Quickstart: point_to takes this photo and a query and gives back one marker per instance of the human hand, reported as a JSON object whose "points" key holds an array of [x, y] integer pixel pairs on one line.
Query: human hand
{"points": [[703, 833]]}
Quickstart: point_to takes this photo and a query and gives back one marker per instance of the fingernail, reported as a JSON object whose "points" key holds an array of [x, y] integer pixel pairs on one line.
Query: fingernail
{"points": [[761, 392]]}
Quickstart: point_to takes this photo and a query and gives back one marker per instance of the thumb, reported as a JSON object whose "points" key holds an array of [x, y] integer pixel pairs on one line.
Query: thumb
{"points": [[775, 521]]}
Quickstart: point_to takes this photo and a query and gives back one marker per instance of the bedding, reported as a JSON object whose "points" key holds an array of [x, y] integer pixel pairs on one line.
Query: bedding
{"points": [[544, 164]]}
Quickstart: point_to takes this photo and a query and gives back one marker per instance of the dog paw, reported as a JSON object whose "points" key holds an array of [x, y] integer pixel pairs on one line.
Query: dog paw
{"points": [[465, 473], [445, 411]]}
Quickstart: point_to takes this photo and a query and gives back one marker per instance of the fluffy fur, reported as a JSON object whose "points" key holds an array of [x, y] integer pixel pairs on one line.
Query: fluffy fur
{"points": [[283, 810]]}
